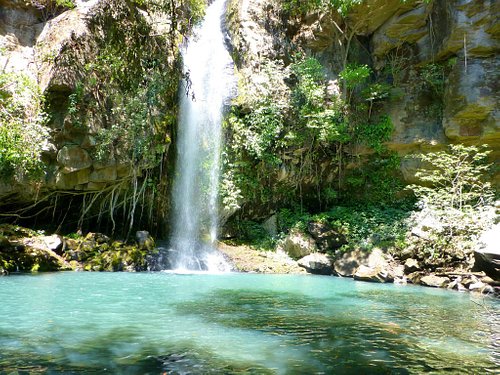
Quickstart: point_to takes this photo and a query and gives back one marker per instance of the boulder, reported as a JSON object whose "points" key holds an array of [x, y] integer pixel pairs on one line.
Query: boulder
{"points": [[376, 274], [35, 254], [144, 240], [415, 277], [454, 284], [434, 281], [477, 286], [46, 243], [298, 245], [107, 174], [348, 263], [411, 265], [487, 257], [317, 263], [271, 225], [67, 181], [98, 238], [326, 237], [54, 243], [73, 158]]}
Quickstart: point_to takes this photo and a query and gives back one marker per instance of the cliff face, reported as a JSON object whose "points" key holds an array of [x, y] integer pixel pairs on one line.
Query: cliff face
{"points": [[106, 72], [103, 77], [439, 57]]}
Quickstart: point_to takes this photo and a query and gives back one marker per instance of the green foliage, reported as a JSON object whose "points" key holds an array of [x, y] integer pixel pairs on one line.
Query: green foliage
{"points": [[364, 226], [137, 103], [433, 77], [300, 8], [369, 226], [374, 134], [376, 181], [455, 179], [253, 234], [23, 135], [259, 131], [354, 75], [321, 115], [272, 129], [51, 8], [455, 192], [184, 14]]}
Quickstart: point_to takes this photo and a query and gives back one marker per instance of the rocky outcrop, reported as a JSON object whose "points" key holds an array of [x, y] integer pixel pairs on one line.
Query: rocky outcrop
{"points": [[23, 250], [246, 259], [444, 52], [487, 256]]}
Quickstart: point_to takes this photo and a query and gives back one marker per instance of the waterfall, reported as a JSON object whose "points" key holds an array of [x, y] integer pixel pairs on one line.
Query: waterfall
{"points": [[209, 67]]}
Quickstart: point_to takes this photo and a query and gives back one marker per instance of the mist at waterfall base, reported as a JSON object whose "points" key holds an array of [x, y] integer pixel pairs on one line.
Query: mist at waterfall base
{"points": [[209, 69]]}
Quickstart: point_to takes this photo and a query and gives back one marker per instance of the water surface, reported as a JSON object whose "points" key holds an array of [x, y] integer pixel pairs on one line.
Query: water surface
{"points": [[240, 323]]}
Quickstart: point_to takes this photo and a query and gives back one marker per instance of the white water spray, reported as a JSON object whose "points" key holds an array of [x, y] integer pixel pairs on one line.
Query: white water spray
{"points": [[195, 195]]}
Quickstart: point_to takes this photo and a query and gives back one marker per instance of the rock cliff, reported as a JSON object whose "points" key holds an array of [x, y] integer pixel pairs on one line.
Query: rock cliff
{"points": [[107, 72], [439, 57]]}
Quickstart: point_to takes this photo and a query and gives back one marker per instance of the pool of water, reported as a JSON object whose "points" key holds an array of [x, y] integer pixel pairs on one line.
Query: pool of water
{"points": [[150, 323]]}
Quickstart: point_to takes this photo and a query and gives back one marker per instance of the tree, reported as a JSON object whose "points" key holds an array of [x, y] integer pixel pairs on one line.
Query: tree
{"points": [[455, 190]]}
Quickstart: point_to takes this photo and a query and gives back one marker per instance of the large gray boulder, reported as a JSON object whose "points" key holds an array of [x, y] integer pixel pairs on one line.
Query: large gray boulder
{"points": [[298, 245], [434, 281], [317, 263], [487, 257], [377, 274]]}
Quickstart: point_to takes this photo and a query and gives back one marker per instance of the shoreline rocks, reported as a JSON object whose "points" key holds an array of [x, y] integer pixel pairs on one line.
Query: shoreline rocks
{"points": [[24, 250]]}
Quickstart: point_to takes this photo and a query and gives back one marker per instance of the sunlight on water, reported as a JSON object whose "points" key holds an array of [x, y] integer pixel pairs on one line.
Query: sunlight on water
{"points": [[240, 323]]}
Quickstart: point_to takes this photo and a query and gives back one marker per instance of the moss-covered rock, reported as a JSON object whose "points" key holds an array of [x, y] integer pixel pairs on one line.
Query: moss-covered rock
{"points": [[24, 250]]}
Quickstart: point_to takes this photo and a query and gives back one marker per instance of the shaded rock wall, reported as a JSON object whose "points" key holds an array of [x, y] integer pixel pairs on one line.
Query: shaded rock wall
{"points": [[95, 65]]}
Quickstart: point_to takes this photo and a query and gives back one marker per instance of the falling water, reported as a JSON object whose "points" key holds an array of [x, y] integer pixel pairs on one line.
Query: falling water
{"points": [[208, 65]]}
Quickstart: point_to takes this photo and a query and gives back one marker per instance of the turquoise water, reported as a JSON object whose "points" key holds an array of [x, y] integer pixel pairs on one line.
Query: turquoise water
{"points": [[151, 323]]}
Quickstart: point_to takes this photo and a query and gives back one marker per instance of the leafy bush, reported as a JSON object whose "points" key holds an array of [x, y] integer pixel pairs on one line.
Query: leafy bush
{"points": [[275, 128], [364, 227], [455, 179], [353, 76], [298, 7], [455, 190], [23, 136]]}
